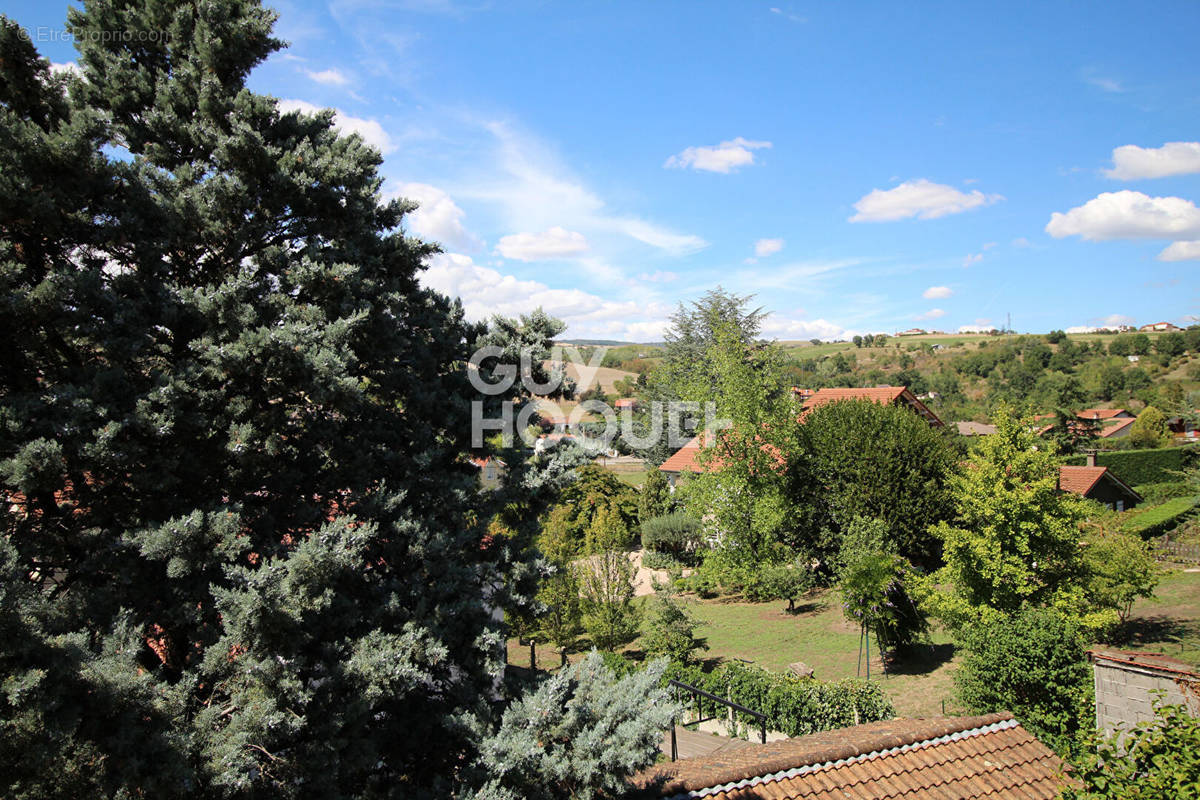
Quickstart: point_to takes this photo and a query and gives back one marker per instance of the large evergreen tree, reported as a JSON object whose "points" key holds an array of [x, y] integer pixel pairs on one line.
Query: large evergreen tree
{"points": [[242, 551]]}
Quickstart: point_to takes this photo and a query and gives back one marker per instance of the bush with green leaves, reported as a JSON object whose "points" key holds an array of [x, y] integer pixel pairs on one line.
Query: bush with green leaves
{"points": [[654, 497], [794, 706], [1153, 493], [671, 630], [1033, 664], [877, 588], [1119, 569], [1156, 759], [581, 735], [778, 576], [610, 615], [677, 534]]}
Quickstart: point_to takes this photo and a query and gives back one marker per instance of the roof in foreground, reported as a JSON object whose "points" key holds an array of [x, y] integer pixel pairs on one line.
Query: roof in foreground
{"points": [[945, 757]]}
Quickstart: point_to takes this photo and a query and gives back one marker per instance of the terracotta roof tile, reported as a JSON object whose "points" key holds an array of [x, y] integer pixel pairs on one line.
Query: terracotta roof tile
{"points": [[884, 395], [969, 757], [683, 459], [1100, 413], [878, 394], [1112, 427], [1079, 480]]}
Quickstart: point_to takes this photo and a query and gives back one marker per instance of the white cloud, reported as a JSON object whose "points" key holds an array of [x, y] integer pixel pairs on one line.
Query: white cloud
{"points": [[1107, 84], [1021, 241], [937, 292], [1116, 320], [1128, 215], [329, 77], [532, 190], [1081, 329], [981, 325], [438, 218], [1131, 162], [724, 158], [972, 258], [921, 198], [779, 328], [659, 276], [556, 242], [933, 313], [485, 291], [1181, 251], [988, 245], [766, 247], [371, 131]]}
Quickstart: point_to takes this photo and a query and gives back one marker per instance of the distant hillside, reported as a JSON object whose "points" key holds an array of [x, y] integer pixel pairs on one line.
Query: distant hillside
{"points": [[593, 342]]}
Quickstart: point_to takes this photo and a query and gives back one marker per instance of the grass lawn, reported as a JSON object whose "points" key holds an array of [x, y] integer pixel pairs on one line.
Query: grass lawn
{"points": [[1169, 622], [819, 635], [634, 479]]}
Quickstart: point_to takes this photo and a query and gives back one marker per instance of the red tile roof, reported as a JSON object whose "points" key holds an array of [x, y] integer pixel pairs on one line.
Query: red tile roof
{"points": [[683, 459], [967, 757], [1101, 413], [880, 394], [884, 395], [1112, 427], [1079, 480]]}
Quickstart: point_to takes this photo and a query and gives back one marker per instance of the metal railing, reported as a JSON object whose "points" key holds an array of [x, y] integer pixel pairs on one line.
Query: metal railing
{"points": [[700, 696]]}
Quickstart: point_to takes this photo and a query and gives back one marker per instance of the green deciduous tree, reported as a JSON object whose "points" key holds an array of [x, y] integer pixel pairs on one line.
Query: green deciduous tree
{"points": [[610, 616], [593, 489], [876, 585], [579, 736], [1149, 429], [1014, 539], [1119, 568], [1034, 665], [754, 470], [882, 462]]}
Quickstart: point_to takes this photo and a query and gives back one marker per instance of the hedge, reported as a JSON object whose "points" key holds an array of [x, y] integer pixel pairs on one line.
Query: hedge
{"points": [[1143, 466], [1157, 520], [794, 706]]}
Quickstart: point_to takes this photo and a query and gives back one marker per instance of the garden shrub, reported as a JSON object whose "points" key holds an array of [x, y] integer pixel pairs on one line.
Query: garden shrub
{"points": [[677, 534], [1157, 520], [1154, 493], [794, 706], [653, 559], [1034, 665], [756, 582]]}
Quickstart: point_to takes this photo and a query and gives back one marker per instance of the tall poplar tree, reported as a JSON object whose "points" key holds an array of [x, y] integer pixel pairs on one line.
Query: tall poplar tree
{"points": [[243, 554]]}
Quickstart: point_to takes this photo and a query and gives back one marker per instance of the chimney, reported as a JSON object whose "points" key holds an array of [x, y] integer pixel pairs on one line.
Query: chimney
{"points": [[1091, 458]]}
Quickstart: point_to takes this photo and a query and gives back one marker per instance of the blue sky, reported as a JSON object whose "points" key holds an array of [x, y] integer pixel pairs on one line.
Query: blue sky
{"points": [[859, 167]]}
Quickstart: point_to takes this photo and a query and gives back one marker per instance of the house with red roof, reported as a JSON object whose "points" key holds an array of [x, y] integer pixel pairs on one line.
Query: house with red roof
{"points": [[1111, 423], [685, 460], [883, 395], [990, 756], [1098, 483]]}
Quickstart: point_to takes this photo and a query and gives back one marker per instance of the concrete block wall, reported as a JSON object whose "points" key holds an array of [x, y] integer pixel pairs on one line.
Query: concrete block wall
{"points": [[1125, 684]]}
